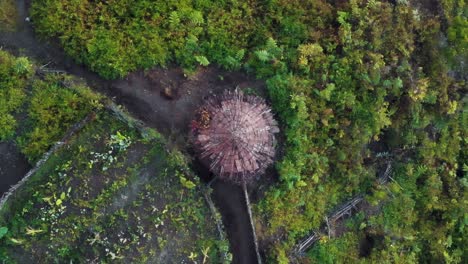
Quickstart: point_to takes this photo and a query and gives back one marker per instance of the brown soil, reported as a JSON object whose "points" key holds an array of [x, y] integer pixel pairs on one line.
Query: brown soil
{"points": [[145, 95]]}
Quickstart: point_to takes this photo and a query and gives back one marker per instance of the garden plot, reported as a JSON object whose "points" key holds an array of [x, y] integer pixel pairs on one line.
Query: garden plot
{"points": [[113, 195]]}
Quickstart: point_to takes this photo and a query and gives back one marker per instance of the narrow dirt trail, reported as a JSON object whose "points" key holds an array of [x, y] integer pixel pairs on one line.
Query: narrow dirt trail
{"points": [[162, 98], [13, 166]]}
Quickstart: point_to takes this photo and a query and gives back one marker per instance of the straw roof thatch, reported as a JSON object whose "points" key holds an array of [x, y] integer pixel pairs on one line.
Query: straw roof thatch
{"points": [[234, 135]]}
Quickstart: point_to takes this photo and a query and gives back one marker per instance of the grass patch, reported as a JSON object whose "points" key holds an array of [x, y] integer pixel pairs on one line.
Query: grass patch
{"points": [[8, 15]]}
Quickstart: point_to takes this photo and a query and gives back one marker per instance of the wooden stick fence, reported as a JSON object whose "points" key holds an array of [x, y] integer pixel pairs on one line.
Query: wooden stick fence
{"points": [[345, 209], [75, 128], [252, 225]]}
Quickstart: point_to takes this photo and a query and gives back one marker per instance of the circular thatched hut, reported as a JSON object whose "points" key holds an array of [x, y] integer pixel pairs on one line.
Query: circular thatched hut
{"points": [[234, 137]]}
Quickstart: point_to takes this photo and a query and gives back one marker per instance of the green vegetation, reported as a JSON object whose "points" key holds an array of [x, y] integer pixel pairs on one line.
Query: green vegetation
{"points": [[8, 15], [115, 37], [37, 109], [339, 76], [423, 218], [111, 194], [14, 73], [347, 90], [456, 12], [51, 109]]}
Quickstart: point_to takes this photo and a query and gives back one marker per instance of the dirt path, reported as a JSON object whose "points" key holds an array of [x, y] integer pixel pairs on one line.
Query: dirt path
{"points": [[146, 96], [13, 166], [164, 99]]}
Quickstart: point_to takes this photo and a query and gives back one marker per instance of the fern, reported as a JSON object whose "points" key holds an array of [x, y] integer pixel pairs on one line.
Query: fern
{"points": [[262, 55], [271, 44], [234, 62], [202, 60], [231, 63], [240, 54], [440, 123], [174, 19], [420, 170], [196, 18], [272, 47]]}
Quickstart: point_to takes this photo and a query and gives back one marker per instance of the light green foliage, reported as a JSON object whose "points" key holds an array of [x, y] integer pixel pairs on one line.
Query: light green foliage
{"points": [[116, 37], [456, 13], [119, 141], [186, 183], [50, 103], [202, 60], [344, 250], [14, 73]]}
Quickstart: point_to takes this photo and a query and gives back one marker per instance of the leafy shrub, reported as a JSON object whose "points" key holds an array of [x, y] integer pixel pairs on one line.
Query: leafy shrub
{"points": [[117, 37], [14, 73], [52, 110]]}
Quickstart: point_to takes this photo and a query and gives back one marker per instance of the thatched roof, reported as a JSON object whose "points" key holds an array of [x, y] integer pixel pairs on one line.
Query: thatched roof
{"points": [[234, 135]]}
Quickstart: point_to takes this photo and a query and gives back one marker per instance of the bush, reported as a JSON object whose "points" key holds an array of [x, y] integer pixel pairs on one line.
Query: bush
{"points": [[117, 37], [52, 110], [14, 73]]}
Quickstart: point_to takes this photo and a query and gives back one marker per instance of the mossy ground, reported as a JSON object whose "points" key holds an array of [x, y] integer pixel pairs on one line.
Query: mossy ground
{"points": [[8, 15]]}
